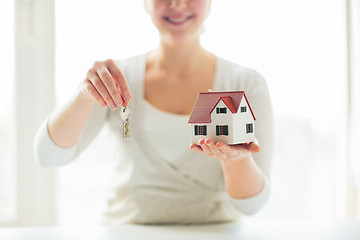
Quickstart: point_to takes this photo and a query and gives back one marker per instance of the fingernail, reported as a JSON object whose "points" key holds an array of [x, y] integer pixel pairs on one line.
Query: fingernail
{"points": [[127, 98], [113, 106], [118, 102]]}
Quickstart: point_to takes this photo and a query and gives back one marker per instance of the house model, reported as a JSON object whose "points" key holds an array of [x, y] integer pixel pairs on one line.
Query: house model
{"points": [[222, 116]]}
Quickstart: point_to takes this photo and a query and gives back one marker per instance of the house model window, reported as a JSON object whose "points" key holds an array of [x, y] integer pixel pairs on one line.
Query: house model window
{"points": [[222, 116], [249, 128], [220, 110], [200, 130], [222, 130]]}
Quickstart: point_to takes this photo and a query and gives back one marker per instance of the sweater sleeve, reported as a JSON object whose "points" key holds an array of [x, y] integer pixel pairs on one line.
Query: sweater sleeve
{"points": [[257, 92], [48, 154]]}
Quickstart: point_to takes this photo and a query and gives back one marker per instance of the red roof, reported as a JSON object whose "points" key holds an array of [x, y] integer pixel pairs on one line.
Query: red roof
{"points": [[207, 101]]}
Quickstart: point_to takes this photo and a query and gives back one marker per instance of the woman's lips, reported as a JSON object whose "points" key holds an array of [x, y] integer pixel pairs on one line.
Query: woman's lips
{"points": [[177, 20]]}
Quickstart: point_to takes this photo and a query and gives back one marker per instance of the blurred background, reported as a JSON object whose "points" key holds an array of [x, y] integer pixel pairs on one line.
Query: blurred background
{"points": [[307, 51]]}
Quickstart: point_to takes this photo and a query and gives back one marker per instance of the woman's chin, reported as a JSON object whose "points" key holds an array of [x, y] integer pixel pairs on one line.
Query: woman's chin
{"points": [[180, 37]]}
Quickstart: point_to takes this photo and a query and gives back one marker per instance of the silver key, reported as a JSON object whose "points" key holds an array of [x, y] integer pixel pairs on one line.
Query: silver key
{"points": [[124, 114]]}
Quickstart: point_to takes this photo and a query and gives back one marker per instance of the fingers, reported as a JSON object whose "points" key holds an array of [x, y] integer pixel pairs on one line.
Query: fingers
{"points": [[196, 148], [209, 147], [112, 94], [120, 80], [212, 147], [106, 84], [224, 151], [253, 147], [234, 151], [89, 88], [99, 80], [205, 147]]}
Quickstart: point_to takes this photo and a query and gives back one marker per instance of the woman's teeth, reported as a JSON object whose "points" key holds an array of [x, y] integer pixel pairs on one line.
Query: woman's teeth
{"points": [[177, 20]]}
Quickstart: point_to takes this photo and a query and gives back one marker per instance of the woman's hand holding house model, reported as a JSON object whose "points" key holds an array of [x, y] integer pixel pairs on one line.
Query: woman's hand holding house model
{"points": [[222, 127], [225, 152]]}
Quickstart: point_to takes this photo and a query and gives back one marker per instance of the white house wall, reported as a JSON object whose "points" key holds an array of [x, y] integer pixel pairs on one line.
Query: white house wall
{"points": [[221, 119], [216, 119], [240, 121]]}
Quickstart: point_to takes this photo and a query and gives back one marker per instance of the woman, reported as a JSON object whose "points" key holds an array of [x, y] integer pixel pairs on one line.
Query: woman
{"points": [[157, 179]]}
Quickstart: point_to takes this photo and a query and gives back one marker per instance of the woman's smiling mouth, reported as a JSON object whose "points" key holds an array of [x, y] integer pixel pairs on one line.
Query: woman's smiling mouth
{"points": [[177, 20]]}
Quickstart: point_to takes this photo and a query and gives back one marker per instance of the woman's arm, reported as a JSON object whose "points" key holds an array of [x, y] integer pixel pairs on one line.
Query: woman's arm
{"points": [[243, 178], [69, 130], [104, 84], [66, 125]]}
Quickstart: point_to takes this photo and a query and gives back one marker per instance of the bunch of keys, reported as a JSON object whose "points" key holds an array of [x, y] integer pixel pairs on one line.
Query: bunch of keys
{"points": [[124, 114]]}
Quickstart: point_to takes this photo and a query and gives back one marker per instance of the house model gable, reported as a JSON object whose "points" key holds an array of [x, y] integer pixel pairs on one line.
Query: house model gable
{"points": [[222, 116], [228, 102]]}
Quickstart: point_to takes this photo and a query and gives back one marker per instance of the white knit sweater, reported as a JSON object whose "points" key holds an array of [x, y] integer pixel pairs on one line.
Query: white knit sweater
{"points": [[147, 187]]}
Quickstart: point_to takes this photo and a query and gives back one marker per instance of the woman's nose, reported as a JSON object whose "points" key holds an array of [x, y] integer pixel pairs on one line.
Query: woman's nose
{"points": [[177, 3]]}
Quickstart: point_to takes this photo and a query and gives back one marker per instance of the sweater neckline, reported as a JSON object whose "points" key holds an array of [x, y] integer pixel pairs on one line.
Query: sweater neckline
{"points": [[138, 105]]}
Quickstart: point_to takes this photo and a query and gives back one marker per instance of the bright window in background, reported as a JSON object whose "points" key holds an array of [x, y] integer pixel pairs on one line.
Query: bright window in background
{"points": [[7, 185], [298, 46]]}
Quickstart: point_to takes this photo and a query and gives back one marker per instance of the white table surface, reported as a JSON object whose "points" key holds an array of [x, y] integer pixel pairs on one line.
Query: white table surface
{"points": [[348, 229]]}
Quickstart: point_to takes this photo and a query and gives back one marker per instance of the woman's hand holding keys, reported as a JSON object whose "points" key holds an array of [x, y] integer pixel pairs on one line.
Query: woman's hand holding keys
{"points": [[106, 85]]}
